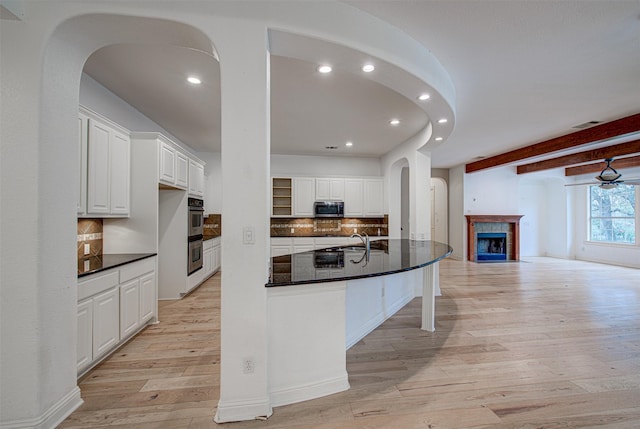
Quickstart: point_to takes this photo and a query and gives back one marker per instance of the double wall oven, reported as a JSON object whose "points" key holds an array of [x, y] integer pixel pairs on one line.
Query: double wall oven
{"points": [[195, 228]]}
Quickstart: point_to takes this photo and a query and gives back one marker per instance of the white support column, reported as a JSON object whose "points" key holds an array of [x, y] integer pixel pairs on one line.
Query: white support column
{"points": [[429, 287], [244, 80]]}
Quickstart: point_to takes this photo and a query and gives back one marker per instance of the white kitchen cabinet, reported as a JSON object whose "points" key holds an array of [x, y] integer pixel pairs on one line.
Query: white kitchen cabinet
{"points": [[353, 197], [196, 179], [373, 197], [182, 171], [304, 195], [329, 189], [217, 254], [83, 137], [129, 308], [108, 169], [84, 347], [207, 258], [148, 297], [167, 164], [106, 323], [112, 306]]}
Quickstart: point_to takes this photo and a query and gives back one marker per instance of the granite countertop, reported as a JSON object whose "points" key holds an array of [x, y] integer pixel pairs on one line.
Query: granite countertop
{"points": [[107, 261], [351, 262]]}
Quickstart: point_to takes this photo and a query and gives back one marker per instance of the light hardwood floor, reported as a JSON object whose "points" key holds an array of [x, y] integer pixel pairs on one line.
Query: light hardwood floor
{"points": [[543, 343]]}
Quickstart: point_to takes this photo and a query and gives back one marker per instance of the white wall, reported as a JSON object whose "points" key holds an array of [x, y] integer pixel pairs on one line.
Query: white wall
{"points": [[323, 166], [493, 192], [533, 225]]}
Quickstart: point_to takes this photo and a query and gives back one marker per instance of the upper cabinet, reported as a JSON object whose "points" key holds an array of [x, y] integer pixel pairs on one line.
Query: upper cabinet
{"points": [[329, 189], [104, 189], [196, 179], [363, 197], [304, 189]]}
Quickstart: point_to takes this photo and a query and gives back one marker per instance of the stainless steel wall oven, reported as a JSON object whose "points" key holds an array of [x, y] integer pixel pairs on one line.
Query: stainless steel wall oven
{"points": [[195, 228]]}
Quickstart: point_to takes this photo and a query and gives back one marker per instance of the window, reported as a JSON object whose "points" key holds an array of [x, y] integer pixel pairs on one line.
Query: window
{"points": [[612, 214]]}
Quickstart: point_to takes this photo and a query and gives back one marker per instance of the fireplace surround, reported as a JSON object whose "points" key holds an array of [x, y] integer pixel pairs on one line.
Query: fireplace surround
{"points": [[494, 224]]}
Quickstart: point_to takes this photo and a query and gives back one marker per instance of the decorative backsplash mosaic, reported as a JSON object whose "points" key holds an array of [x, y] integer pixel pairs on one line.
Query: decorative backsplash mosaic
{"points": [[90, 232], [344, 227], [212, 226]]}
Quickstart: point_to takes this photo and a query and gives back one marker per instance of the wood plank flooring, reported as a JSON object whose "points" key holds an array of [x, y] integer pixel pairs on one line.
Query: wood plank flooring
{"points": [[543, 343]]}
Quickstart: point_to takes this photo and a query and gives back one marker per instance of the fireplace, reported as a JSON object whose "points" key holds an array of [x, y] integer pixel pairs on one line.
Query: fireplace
{"points": [[491, 246], [493, 237]]}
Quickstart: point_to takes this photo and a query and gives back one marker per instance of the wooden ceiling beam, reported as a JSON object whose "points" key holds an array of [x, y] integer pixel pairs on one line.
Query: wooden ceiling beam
{"points": [[609, 130], [580, 157], [632, 161]]}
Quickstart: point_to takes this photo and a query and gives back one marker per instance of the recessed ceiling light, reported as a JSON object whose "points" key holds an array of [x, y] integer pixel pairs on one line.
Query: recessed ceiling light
{"points": [[394, 122], [348, 144], [442, 121], [194, 80], [324, 69], [438, 139], [424, 96], [367, 68]]}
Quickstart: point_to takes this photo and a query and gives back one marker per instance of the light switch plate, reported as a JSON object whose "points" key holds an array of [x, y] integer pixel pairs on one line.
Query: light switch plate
{"points": [[248, 235]]}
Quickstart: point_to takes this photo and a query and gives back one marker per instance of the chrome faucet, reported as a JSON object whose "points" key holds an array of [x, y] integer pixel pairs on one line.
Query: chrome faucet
{"points": [[365, 241]]}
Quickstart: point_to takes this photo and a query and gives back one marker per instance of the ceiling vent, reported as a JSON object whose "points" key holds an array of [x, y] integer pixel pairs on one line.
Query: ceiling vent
{"points": [[586, 125], [331, 147]]}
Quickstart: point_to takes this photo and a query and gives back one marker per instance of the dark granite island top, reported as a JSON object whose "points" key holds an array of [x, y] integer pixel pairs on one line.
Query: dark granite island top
{"points": [[351, 262], [104, 262]]}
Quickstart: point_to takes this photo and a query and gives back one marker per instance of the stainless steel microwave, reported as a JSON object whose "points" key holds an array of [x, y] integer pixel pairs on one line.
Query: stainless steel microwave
{"points": [[328, 209]]}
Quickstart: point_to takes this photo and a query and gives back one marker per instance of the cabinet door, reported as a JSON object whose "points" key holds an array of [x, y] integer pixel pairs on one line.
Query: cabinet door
{"points": [[106, 322], [98, 168], [129, 307], [217, 260], [304, 196], [337, 189], [84, 349], [83, 136], [323, 189], [147, 297], [353, 197], [167, 167], [196, 179], [182, 171], [373, 197], [207, 263], [120, 150]]}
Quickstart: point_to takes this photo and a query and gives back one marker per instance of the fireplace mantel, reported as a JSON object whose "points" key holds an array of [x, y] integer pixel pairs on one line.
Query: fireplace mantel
{"points": [[513, 220]]}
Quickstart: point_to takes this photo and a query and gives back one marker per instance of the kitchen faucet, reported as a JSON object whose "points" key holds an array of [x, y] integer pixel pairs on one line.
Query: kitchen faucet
{"points": [[365, 241]]}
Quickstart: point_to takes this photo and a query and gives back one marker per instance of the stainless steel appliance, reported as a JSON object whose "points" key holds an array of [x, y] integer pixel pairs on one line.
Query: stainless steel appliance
{"points": [[195, 228], [328, 209], [328, 258]]}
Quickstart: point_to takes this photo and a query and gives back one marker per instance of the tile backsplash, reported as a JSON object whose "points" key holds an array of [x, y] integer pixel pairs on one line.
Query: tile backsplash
{"points": [[212, 225], [90, 232], [343, 227]]}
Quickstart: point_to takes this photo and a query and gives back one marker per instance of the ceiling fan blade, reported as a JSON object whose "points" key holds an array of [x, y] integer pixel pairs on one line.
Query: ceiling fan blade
{"points": [[581, 184]]}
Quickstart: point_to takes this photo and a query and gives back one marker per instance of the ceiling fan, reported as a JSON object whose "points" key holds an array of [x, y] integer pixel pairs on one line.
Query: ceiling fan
{"points": [[609, 178]]}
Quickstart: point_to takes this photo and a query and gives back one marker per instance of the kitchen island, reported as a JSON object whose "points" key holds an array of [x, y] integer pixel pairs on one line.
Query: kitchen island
{"points": [[322, 302]]}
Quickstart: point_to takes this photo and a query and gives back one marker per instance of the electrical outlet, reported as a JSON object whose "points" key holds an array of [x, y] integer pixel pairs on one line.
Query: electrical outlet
{"points": [[87, 248], [248, 366], [355, 230], [293, 230]]}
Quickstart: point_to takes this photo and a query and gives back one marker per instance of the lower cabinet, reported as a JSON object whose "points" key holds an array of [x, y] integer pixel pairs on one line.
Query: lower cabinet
{"points": [[211, 257], [112, 307]]}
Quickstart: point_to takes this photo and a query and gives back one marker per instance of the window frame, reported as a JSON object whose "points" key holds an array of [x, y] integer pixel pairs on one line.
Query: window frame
{"points": [[636, 219]]}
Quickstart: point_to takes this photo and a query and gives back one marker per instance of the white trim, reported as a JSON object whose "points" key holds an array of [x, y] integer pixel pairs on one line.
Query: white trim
{"points": [[305, 392], [235, 411], [53, 416]]}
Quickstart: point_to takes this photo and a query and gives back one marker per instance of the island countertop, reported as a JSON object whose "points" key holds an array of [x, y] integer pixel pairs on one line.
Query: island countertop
{"points": [[352, 262]]}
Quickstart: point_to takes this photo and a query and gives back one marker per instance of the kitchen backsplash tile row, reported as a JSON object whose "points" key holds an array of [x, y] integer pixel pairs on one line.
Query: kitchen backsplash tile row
{"points": [[212, 226], [344, 227], [90, 232]]}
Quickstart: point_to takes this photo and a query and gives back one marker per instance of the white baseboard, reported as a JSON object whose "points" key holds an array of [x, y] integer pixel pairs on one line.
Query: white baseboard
{"points": [[305, 392], [52, 417], [237, 411]]}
